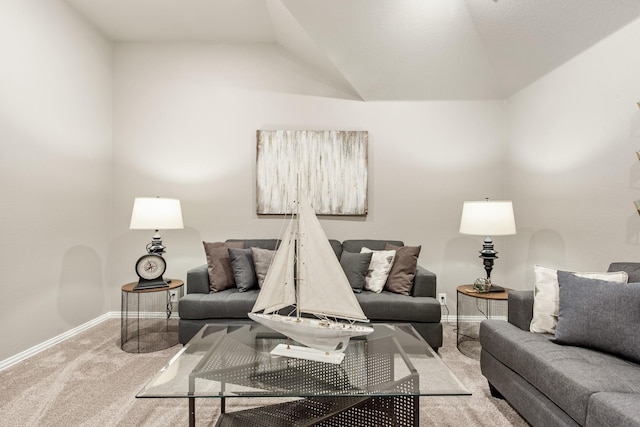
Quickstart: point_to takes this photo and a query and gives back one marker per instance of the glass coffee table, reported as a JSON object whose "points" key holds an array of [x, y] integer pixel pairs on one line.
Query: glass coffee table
{"points": [[379, 382]]}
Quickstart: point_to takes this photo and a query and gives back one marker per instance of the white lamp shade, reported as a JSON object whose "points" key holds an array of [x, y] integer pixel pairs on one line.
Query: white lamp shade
{"points": [[155, 213], [488, 218]]}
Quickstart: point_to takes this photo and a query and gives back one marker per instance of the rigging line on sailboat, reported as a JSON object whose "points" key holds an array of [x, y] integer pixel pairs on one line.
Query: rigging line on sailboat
{"points": [[281, 232]]}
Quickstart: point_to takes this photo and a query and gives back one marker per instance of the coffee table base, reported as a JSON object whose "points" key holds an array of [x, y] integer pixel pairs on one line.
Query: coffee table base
{"points": [[327, 411]]}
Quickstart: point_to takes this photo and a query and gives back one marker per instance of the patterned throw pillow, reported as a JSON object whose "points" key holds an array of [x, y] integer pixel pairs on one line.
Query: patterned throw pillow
{"points": [[379, 268]]}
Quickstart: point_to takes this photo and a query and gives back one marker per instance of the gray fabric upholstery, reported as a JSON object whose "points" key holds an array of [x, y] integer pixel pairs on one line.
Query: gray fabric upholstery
{"points": [[228, 304], [534, 406], [198, 280], [564, 374], [614, 410], [258, 243], [558, 385], [632, 269], [243, 269], [520, 309], [421, 309], [355, 267], [600, 315], [399, 308], [374, 245], [424, 284]]}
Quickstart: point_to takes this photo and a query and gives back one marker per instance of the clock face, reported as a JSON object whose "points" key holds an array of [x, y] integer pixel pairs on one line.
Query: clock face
{"points": [[150, 266]]}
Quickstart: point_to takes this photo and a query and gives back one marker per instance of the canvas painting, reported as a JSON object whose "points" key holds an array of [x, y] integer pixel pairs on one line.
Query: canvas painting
{"points": [[330, 166]]}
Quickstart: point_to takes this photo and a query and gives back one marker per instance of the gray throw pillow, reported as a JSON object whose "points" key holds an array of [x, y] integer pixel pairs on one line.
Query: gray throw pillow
{"points": [[600, 315], [261, 261], [355, 267], [243, 270]]}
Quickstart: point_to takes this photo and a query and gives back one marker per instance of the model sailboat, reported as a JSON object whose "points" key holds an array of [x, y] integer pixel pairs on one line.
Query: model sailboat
{"points": [[306, 273]]}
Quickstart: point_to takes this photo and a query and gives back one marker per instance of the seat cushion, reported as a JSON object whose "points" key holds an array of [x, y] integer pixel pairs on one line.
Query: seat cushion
{"points": [[614, 409], [389, 306], [227, 304], [567, 375]]}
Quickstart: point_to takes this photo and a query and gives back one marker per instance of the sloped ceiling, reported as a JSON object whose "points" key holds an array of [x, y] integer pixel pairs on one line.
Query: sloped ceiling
{"points": [[385, 49]]}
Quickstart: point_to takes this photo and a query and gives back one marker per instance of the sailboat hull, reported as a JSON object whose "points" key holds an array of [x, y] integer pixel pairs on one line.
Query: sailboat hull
{"points": [[322, 335]]}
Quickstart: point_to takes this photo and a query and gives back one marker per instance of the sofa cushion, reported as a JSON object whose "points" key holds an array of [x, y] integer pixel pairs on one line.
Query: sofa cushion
{"points": [[257, 243], [545, 304], [614, 409], [595, 314], [274, 243], [261, 261], [219, 265], [227, 304], [403, 270], [376, 245], [355, 267], [631, 268], [388, 306], [567, 375], [243, 269], [379, 267]]}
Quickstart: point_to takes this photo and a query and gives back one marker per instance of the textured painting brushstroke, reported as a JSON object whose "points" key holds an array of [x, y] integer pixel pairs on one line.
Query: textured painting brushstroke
{"points": [[331, 166]]}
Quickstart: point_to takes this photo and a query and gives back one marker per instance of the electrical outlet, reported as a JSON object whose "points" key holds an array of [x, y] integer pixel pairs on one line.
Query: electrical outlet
{"points": [[173, 296], [442, 298]]}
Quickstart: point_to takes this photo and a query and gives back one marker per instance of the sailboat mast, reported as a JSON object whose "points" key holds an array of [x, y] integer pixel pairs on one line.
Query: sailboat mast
{"points": [[297, 252]]}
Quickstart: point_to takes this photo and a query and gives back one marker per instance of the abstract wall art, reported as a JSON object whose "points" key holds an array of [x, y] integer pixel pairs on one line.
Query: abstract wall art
{"points": [[330, 166]]}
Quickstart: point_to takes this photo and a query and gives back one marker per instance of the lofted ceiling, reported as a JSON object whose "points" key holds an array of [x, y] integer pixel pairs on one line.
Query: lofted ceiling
{"points": [[385, 49]]}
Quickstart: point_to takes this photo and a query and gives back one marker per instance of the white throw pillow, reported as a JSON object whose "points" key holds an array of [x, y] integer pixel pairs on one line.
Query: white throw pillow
{"points": [[379, 268], [546, 300]]}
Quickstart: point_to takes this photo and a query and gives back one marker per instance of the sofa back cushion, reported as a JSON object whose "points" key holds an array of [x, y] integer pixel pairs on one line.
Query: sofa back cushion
{"points": [[374, 245], [631, 268], [273, 244]]}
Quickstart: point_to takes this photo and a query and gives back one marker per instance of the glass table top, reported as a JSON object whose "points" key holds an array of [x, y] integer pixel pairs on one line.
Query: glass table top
{"points": [[223, 361]]}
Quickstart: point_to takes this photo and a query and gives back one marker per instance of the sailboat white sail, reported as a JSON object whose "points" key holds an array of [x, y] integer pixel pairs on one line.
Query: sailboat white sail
{"points": [[321, 289]]}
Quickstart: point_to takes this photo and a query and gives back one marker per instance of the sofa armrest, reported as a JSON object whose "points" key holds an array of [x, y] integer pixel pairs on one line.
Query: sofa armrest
{"points": [[520, 309], [424, 284], [198, 280]]}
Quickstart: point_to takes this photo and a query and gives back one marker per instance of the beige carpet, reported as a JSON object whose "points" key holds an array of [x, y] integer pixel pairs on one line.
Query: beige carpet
{"points": [[88, 381]]}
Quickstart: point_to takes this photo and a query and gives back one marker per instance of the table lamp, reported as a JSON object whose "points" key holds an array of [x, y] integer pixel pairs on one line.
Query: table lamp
{"points": [[151, 213], [156, 213], [488, 218]]}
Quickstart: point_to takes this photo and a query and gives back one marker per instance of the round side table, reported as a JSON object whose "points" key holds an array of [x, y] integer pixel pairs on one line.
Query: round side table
{"points": [[472, 308], [147, 323]]}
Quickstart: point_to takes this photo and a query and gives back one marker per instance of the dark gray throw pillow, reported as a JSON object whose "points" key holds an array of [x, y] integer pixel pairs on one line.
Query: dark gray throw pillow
{"points": [[355, 267], [243, 271], [600, 315]]}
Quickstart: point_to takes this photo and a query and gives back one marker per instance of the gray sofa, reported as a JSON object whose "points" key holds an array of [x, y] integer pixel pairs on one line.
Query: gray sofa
{"points": [[558, 385], [421, 309]]}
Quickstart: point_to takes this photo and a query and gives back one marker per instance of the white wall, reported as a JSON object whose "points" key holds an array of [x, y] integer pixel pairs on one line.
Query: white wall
{"points": [[572, 169], [185, 121], [55, 172]]}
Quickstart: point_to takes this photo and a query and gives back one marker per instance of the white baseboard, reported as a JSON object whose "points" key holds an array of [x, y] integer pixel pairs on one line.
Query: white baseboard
{"points": [[56, 340], [72, 332], [453, 319]]}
